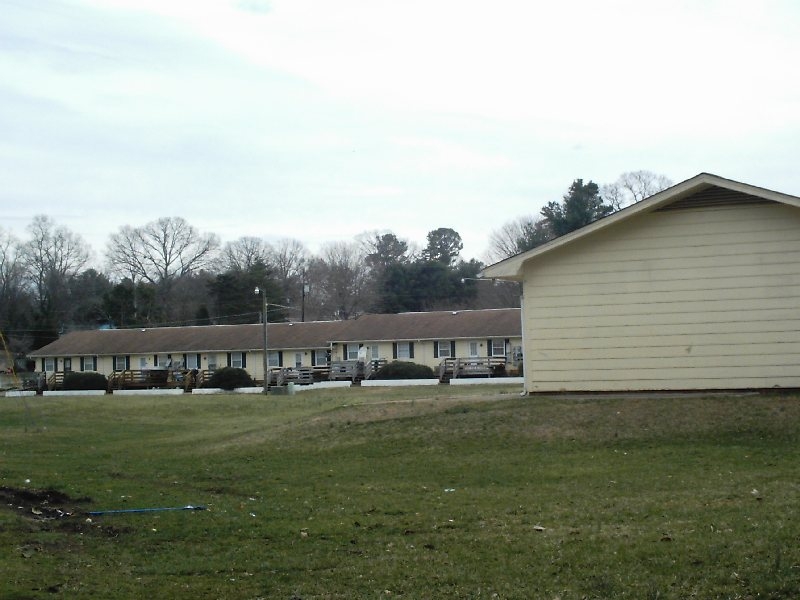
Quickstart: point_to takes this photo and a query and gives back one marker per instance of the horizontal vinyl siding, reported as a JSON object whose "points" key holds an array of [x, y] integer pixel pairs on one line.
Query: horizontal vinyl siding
{"points": [[690, 299]]}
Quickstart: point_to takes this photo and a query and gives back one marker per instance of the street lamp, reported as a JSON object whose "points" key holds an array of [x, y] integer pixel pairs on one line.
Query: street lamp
{"points": [[495, 282], [263, 294]]}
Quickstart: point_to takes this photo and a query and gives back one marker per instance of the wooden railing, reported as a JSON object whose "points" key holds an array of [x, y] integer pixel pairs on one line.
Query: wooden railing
{"points": [[354, 370], [286, 375], [130, 379], [133, 379], [346, 370], [483, 366], [56, 381]]}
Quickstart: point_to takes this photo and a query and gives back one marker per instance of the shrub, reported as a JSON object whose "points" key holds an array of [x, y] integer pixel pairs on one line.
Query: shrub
{"points": [[228, 378], [85, 381], [404, 370]]}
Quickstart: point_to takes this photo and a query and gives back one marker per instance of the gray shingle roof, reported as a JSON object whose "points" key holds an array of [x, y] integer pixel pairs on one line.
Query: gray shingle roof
{"points": [[473, 324], [439, 325]]}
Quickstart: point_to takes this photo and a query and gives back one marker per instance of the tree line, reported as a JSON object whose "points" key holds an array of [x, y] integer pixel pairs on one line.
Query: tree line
{"points": [[167, 273], [581, 205]]}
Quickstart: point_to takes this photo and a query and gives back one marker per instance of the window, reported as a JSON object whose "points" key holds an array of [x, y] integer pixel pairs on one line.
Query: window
{"points": [[320, 358], [473, 349], [351, 351], [273, 359], [192, 361], [236, 360], [444, 349], [142, 363], [89, 363], [212, 362], [374, 354], [121, 363], [403, 350], [49, 364], [498, 347], [162, 360]]}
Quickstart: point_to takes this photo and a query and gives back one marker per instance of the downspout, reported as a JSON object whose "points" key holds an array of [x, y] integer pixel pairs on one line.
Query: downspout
{"points": [[524, 344]]}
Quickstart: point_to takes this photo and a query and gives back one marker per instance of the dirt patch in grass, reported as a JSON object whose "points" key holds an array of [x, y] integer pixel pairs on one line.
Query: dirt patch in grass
{"points": [[41, 505], [51, 510]]}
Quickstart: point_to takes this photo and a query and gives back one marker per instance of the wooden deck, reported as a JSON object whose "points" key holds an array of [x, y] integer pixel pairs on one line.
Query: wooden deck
{"points": [[144, 379], [484, 366], [355, 371]]}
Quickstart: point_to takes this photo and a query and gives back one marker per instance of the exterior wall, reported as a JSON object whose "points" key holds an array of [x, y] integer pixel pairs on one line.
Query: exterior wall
{"points": [[673, 300], [424, 353], [105, 365]]}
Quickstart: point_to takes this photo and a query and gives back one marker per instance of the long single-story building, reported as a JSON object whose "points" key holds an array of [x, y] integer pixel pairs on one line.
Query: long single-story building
{"points": [[694, 288], [423, 337]]}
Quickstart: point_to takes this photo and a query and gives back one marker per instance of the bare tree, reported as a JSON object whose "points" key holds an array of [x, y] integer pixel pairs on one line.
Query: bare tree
{"points": [[14, 299], [11, 271], [161, 251], [124, 255], [244, 253], [51, 257], [287, 259], [516, 236], [339, 280], [287, 264], [633, 186]]}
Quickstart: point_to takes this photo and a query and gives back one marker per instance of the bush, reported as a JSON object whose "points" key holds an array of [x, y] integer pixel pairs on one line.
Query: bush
{"points": [[85, 381], [405, 370], [228, 378]]}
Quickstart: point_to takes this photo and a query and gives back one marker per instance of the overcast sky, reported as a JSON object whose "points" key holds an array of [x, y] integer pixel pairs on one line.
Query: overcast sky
{"points": [[319, 120]]}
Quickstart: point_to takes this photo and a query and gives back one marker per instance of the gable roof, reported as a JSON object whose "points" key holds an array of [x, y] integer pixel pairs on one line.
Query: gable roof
{"points": [[701, 190], [475, 324]]}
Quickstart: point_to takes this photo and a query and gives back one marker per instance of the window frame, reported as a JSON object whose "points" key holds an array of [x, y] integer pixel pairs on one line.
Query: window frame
{"points": [[192, 357], [494, 347], [403, 350]]}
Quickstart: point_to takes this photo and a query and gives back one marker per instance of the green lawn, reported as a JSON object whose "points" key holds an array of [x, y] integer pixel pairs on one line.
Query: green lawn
{"points": [[446, 492]]}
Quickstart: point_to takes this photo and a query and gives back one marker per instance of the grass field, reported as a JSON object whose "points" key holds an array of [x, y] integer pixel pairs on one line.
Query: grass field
{"points": [[401, 493]]}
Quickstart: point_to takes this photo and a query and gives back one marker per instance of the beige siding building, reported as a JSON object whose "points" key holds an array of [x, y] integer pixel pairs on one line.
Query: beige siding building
{"points": [[695, 288], [424, 338]]}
